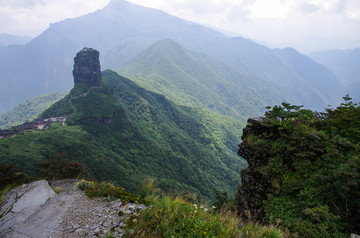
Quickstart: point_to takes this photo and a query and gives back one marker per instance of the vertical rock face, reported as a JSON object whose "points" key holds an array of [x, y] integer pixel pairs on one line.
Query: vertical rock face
{"points": [[87, 68], [255, 185]]}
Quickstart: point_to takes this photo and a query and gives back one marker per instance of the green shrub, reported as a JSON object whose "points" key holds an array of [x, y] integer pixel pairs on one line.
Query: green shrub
{"points": [[56, 167], [9, 174], [313, 168]]}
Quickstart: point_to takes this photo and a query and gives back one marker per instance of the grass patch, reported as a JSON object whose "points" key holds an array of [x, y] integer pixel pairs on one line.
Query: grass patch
{"points": [[108, 190], [5, 190], [169, 216], [251, 230], [174, 217], [57, 189]]}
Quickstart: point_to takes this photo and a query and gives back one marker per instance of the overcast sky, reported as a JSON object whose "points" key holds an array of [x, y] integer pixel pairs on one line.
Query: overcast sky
{"points": [[306, 25]]}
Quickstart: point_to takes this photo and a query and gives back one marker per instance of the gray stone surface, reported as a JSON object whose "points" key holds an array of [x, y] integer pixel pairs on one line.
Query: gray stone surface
{"points": [[36, 195], [87, 68], [35, 211], [23, 203]]}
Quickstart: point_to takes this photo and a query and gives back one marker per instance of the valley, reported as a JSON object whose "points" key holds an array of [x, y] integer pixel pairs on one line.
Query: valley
{"points": [[118, 121]]}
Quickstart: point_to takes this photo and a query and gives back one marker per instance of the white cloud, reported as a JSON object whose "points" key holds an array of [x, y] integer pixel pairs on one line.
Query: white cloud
{"points": [[304, 24], [352, 10], [269, 9], [31, 17]]}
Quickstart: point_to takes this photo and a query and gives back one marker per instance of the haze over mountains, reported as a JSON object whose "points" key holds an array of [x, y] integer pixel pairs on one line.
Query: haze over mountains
{"points": [[123, 31], [6, 39], [196, 80], [345, 64]]}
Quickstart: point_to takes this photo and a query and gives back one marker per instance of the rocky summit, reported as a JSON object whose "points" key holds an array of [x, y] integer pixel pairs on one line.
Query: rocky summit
{"points": [[87, 68]]}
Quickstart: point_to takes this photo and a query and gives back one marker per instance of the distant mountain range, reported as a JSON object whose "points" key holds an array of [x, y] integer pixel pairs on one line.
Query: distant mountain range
{"points": [[197, 80], [346, 65], [6, 39], [123, 31]]}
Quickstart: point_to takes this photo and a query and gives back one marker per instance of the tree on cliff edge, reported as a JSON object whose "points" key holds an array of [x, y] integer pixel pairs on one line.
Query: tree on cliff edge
{"points": [[304, 170]]}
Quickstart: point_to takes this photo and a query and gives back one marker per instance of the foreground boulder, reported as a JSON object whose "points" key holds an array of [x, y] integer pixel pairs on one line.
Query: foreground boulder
{"points": [[36, 211], [21, 206]]}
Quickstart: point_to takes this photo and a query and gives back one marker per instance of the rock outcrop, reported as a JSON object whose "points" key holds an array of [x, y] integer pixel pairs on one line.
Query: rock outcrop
{"points": [[87, 68], [36, 211], [255, 186], [20, 216]]}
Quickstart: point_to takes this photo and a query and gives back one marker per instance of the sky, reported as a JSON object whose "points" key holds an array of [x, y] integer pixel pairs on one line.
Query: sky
{"points": [[307, 25]]}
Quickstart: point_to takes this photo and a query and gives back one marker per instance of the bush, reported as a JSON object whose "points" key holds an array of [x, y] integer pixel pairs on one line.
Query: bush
{"points": [[56, 167], [9, 174], [312, 166]]}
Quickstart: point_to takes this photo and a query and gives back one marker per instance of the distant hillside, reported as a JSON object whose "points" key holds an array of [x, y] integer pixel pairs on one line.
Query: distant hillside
{"points": [[345, 64], [194, 79], [317, 79], [353, 90], [29, 109], [6, 39], [124, 133], [274, 65], [123, 30]]}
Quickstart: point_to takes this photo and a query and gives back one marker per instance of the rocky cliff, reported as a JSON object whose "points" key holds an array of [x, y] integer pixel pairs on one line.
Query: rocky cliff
{"points": [[87, 68], [255, 186]]}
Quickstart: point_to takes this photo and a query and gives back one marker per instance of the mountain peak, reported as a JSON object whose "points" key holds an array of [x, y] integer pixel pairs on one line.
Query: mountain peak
{"points": [[87, 68], [114, 3]]}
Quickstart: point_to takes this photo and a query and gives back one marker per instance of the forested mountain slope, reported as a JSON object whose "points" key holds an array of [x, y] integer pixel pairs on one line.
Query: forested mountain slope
{"points": [[194, 79], [29, 110], [124, 133]]}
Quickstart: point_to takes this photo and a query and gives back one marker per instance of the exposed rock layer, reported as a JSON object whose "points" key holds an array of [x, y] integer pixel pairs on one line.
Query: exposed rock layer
{"points": [[87, 68], [255, 186]]}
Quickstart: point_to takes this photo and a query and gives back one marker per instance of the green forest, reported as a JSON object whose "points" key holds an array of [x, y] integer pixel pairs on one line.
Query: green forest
{"points": [[124, 134], [309, 163]]}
